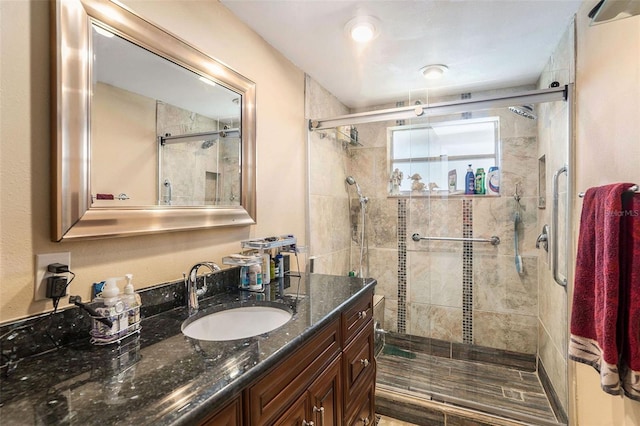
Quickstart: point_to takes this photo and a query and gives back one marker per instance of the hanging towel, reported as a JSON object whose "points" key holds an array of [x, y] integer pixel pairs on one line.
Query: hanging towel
{"points": [[596, 326], [630, 282]]}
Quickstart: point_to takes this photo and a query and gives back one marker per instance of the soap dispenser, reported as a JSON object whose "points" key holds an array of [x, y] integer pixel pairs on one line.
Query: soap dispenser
{"points": [[131, 301], [115, 306]]}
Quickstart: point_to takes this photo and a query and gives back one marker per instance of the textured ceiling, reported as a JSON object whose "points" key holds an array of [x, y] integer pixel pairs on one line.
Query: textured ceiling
{"points": [[486, 44]]}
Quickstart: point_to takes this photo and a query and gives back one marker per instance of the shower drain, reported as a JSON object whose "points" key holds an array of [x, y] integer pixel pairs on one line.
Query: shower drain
{"points": [[512, 394]]}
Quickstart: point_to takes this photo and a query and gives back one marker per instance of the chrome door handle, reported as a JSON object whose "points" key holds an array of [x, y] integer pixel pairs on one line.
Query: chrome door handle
{"points": [[554, 228], [543, 238]]}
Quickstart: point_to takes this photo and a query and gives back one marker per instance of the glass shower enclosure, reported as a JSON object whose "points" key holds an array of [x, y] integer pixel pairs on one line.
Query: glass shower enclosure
{"points": [[472, 314]]}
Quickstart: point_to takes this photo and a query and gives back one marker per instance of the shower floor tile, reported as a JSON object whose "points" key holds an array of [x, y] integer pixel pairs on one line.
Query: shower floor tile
{"points": [[493, 389]]}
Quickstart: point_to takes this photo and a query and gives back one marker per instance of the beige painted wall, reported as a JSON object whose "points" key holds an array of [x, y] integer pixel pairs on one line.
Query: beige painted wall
{"points": [[25, 140], [133, 151], [607, 150]]}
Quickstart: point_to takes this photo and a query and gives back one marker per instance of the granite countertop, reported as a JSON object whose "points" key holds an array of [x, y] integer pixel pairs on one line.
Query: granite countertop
{"points": [[163, 377]]}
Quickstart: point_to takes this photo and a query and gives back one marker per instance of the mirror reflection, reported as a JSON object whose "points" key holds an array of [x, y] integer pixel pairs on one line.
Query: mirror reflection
{"points": [[161, 134]]}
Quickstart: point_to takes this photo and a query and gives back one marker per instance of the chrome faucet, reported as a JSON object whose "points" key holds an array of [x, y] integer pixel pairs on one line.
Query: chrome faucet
{"points": [[191, 284]]}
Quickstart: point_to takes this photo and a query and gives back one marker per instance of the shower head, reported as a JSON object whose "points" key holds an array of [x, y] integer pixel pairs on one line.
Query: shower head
{"points": [[351, 181], [208, 143], [524, 111]]}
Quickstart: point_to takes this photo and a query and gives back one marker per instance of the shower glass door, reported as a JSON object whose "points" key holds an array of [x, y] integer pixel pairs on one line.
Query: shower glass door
{"points": [[469, 321]]}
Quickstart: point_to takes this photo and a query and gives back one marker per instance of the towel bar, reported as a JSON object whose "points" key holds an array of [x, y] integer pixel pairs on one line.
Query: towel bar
{"points": [[494, 240], [634, 188]]}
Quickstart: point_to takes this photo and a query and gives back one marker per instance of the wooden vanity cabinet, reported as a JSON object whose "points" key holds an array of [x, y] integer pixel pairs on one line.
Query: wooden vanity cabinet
{"points": [[229, 415], [329, 381]]}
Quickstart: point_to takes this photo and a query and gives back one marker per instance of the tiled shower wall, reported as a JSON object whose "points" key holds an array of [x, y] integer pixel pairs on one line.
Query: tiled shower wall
{"points": [[329, 216], [456, 292], [193, 185]]}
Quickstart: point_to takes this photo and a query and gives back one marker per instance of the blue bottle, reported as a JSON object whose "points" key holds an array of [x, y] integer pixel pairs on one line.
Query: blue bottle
{"points": [[469, 181]]}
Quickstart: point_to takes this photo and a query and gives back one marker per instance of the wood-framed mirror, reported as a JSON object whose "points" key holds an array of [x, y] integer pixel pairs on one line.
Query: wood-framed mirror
{"points": [[149, 133]]}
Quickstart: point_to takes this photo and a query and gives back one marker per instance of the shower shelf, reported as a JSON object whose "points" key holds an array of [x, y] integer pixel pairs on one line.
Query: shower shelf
{"points": [[347, 138]]}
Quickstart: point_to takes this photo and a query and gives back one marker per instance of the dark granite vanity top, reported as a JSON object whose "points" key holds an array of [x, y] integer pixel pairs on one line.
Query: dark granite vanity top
{"points": [[163, 377]]}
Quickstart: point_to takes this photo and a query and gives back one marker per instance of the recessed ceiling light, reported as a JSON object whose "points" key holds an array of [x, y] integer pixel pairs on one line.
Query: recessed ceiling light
{"points": [[433, 72], [362, 28]]}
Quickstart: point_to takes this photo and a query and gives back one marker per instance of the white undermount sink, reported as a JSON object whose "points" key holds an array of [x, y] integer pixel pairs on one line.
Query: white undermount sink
{"points": [[236, 323]]}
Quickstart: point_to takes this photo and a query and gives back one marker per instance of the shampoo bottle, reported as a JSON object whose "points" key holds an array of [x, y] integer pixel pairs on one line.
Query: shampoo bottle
{"points": [[469, 181], [479, 188], [493, 181]]}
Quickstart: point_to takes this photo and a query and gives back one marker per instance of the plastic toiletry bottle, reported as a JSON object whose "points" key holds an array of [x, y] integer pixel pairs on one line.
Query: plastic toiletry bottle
{"points": [[255, 277], [453, 180], [132, 301], [244, 277], [279, 266], [114, 307], [272, 269], [266, 267], [479, 187], [469, 181], [493, 181]]}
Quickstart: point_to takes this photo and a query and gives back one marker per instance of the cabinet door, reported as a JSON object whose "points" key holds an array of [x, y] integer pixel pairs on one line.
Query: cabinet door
{"points": [[231, 415], [297, 414], [326, 396], [364, 413]]}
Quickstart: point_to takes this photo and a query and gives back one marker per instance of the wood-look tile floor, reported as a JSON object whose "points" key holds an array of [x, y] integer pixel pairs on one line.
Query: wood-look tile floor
{"points": [[489, 388]]}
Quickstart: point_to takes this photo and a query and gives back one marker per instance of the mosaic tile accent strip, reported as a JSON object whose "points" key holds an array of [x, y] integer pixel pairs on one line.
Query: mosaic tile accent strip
{"points": [[402, 266], [467, 272], [466, 115]]}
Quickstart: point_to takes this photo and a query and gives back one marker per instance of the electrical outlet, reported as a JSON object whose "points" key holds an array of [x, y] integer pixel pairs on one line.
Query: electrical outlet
{"points": [[42, 261]]}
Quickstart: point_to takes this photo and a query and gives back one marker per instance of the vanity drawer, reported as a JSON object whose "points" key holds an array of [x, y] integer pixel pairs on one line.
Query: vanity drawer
{"points": [[355, 317], [286, 382], [359, 364]]}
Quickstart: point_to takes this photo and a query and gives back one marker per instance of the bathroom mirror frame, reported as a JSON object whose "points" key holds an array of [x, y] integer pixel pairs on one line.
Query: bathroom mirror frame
{"points": [[73, 217]]}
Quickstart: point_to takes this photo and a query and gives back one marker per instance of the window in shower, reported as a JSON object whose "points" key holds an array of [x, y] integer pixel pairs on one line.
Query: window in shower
{"points": [[433, 150]]}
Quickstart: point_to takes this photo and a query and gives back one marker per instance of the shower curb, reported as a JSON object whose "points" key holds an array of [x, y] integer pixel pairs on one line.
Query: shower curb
{"points": [[411, 407]]}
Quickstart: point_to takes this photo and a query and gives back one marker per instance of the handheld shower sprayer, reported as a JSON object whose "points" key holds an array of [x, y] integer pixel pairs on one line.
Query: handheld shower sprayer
{"points": [[351, 181]]}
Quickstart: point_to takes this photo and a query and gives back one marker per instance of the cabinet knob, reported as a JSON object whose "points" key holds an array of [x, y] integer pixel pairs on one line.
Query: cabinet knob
{"points": [[362, 314], [306, 423], [321, 411], [365, 362], [365, 421]]}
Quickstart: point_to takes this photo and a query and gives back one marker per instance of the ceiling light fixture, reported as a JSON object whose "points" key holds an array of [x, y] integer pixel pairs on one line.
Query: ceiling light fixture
{"points": [[362, 28], [433, 72]]}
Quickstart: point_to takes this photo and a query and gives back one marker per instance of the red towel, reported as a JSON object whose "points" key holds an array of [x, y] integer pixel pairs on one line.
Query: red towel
{"points": [[630, 282], [596, 323]]}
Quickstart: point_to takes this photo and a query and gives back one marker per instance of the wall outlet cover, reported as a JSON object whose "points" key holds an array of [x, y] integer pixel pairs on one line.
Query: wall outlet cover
{"points": [[42, 261]]}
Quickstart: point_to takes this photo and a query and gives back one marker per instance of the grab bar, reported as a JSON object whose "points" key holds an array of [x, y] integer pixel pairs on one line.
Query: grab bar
{"points": [[554, 229], [494, 240]]}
